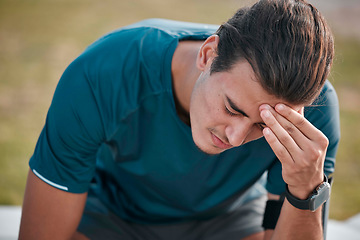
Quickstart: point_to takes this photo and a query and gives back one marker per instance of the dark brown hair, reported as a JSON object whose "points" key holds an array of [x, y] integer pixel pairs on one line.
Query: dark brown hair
{"points": [[287, 42]]}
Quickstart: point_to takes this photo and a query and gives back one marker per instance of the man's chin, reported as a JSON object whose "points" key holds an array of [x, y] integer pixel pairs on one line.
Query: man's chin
{"points": [[211, 150]]}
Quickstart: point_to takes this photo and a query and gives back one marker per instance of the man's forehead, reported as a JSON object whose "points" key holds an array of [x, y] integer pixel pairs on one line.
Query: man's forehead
{"points": [[249, 106], [244, 90]]}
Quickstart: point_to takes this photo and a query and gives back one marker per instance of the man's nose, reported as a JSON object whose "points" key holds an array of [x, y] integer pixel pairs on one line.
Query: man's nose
{"points": [[237, 133]]}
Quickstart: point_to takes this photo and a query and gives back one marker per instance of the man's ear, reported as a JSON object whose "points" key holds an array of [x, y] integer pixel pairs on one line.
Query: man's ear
{"points": [[207, 52]]}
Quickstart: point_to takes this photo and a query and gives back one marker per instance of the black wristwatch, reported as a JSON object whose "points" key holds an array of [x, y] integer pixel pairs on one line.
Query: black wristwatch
{"points": [[320, 195]]}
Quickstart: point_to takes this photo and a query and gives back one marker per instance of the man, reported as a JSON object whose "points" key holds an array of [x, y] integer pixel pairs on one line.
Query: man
{"points": [[163, 130]]}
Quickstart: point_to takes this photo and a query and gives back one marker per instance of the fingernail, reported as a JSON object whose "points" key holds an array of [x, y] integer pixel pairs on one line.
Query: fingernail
{"points": [[266, 131], [266, 113], [265, 106], [280, 107]]}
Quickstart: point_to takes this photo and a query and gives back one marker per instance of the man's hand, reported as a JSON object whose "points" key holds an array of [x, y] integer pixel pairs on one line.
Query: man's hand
{"points": [[300, 147]]}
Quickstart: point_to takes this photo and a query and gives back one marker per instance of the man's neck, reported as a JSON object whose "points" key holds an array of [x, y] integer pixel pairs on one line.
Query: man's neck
{"points": [[184, 75]]}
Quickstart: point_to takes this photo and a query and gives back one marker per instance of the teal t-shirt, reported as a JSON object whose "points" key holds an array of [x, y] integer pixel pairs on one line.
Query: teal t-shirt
{"points": [[112, 127]]}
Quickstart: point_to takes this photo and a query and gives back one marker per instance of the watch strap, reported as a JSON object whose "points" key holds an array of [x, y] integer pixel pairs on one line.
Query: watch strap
{"points": [[300, 203]]}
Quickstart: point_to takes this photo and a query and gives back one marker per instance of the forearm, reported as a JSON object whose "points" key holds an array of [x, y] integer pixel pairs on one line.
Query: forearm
{"points": [[49, 213], [295, 224]]}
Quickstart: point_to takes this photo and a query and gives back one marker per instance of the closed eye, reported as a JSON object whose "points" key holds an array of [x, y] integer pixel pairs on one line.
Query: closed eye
{"points": [[235, 108], [230, 112], [261, 125]]}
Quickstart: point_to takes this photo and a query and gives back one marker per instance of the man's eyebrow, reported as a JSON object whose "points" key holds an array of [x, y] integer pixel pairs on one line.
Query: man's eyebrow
{"points": [[235, 108]]}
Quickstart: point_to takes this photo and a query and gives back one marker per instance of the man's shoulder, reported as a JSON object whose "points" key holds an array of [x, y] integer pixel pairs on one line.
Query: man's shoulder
{"points": [[326, 100], [324, 112], [148, 35], [174, 29], [328, 90]]}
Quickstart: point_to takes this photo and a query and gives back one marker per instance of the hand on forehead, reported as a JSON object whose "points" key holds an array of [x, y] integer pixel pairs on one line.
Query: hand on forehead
{"points": [[280, 106]]}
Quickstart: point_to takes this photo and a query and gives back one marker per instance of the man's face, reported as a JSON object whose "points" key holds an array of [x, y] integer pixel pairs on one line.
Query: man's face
{"points": [[224, 108]]}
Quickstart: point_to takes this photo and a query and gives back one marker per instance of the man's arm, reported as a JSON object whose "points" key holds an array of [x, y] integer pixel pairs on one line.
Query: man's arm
{"points": [[301, 149], [291, 220], [294, 223], [49, 213]]}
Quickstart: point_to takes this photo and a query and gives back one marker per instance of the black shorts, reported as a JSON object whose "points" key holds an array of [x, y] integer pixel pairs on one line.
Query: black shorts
{"points": [[99, 223]]}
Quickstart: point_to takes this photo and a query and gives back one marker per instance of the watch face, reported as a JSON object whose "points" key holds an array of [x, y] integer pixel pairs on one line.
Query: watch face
{"points": [[321, 196]]}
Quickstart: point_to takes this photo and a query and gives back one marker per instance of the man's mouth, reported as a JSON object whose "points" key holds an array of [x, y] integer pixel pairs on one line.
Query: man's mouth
{"points": [[219, 143]]}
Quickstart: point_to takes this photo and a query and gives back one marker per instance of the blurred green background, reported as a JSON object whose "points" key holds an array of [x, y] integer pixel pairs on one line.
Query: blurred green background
{"points": [[39, 38]]}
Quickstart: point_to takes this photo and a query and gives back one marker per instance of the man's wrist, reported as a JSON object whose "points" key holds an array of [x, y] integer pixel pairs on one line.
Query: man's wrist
{"points": [[313, 201], [302, 191]]}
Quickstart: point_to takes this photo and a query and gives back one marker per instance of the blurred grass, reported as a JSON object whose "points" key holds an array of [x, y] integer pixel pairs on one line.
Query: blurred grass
{"points": [[345, 199], [39, 38]]}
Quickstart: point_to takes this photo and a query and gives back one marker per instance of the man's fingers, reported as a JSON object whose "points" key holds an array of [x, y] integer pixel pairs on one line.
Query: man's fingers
{"points": [[280, 151], [299, 121], [284, 130], [282, 143]]}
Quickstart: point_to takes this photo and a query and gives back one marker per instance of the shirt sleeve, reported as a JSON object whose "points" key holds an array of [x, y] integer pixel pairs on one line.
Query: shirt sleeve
{"points": [[65, 153], [324, 115], [102, 86]]}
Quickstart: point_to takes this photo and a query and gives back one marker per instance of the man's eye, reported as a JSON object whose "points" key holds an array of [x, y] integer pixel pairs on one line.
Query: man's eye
{"points": [[229, 112]]}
